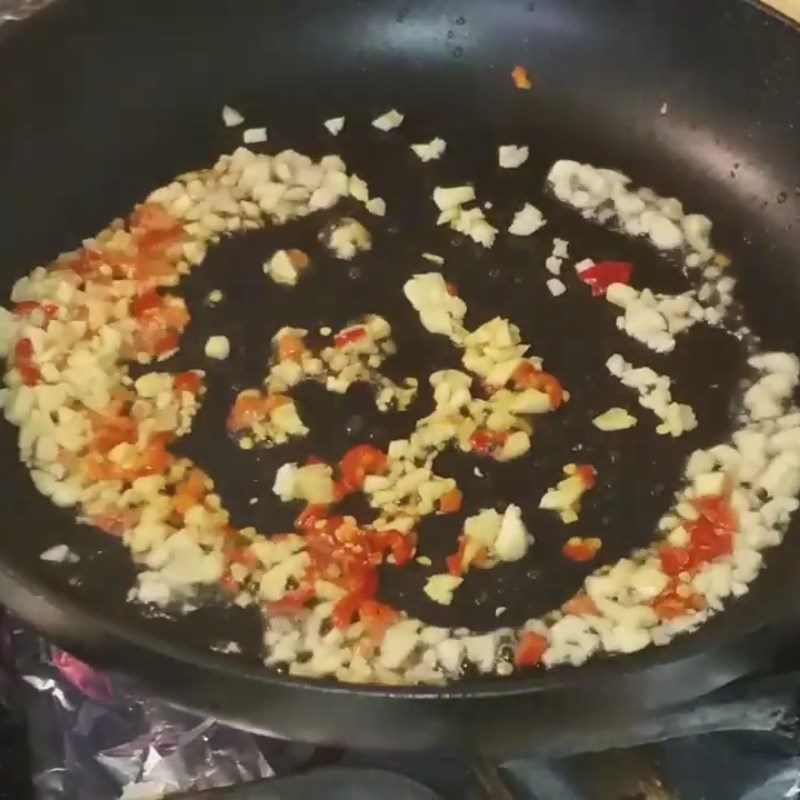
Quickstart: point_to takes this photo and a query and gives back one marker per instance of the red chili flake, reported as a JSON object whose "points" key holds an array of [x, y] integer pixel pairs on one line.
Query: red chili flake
{"points": [[602, 275], [152, 217], [146, 303], [485, 442], [241, 555], [340, 491], [298, 258], [708, 542], [29, 306], [527, 376], [670, 608], [87, 263], [710, 537], [349, 336], [718, 511], [587, 473], [402, 545], [23, 350], [377, 618], [677, 600], [311, 515], [30, 375], [450, 501], [292, 602], [360, 461], [458, 563], [166, 344], [345, 609], [187, 382], [455, 562], [290, 347], [577, 549], [580, 605], [23, 361], [520, 77], [674, 560], [531, 648]]}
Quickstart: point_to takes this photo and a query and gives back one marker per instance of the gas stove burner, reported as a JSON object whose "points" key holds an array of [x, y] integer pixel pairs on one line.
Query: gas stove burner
{"points": [[95, 735]]}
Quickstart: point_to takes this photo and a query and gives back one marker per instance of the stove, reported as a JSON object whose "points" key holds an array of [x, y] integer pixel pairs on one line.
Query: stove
{"points": [[68, 732]]}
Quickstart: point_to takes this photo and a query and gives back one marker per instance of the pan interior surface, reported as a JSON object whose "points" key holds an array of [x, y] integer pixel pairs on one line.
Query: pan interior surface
{"points": [[106, 104]]}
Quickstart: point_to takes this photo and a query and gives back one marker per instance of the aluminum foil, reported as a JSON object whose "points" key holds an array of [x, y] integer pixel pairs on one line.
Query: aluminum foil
{"points": [[19, 9], [94, 737]]}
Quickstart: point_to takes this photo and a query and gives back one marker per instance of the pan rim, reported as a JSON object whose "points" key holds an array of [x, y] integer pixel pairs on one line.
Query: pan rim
{"points": [[767, 8], [562, 677], [558, 678]]}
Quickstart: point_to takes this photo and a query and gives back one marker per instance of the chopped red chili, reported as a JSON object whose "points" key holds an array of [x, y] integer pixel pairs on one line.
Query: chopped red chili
{"points": [[531, 648], [577, 549], [349, 336], [602, 275], [486, 442], [360, 461], [187, 382], [24, 362]]}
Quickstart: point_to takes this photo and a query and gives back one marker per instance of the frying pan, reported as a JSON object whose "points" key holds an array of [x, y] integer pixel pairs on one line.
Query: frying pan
{"points": [[104, 101]]}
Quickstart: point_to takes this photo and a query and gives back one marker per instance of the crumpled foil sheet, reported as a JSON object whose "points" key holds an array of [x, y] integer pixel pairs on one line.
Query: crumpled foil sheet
{"points": [[94, 738], [19, 9]]}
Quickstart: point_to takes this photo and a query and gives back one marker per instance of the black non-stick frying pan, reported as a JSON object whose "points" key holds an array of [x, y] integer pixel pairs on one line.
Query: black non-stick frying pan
{"points": [[103, 101]]}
